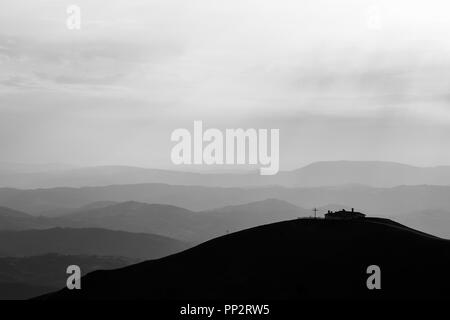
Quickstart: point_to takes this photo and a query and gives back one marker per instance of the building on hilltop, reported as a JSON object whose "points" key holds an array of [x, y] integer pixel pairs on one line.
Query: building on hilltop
{"points": [[344, 214]]}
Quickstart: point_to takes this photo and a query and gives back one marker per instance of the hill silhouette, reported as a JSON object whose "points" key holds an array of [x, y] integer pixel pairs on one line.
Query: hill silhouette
{"points": [[239, 217], [133, 216], [395, 201], [382, 174], [317, 174], [26, 277], [21, 291], [179, 223], [166, 220], [388, 202], [436, 221], [90, 241], [16, 220], [297, 259]]}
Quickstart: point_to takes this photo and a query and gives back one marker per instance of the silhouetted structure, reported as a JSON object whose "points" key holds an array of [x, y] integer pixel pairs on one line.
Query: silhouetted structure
{"points": [[344, 214]]}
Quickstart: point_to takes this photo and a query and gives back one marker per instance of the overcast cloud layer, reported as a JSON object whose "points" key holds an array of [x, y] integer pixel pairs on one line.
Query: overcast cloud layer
{"points": [[354, 79]]}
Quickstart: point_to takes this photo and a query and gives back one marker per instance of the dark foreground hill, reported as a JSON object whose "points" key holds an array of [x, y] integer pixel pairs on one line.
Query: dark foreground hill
{"points": [[26, 277], [298, 259]]}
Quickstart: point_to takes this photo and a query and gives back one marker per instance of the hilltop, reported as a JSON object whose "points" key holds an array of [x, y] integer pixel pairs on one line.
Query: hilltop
{"points": [[296, 259]]}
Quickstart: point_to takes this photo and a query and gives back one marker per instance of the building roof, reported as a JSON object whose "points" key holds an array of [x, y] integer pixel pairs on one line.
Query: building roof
{"points": [[345, 214]]}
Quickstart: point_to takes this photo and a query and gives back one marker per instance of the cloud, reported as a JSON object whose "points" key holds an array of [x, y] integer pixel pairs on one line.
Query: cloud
{"points": [[138, 69], [80, 62], [18, 81]]}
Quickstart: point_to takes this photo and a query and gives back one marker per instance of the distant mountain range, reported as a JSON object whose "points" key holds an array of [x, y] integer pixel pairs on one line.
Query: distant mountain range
{"points": [[17, 220], [88, 241], [434, 221], [25, 277], [134, 216], [166, 220], [228, 219], [397, 200], [299, 259], [57, 203], [331, 173], [184, 224], [21, 168]]}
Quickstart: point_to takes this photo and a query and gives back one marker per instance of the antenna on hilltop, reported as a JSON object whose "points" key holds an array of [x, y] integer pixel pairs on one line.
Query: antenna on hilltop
{"points": [[315, 213]]}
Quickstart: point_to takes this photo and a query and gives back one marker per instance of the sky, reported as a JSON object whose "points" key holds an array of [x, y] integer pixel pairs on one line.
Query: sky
{"points": [[353, 80]]}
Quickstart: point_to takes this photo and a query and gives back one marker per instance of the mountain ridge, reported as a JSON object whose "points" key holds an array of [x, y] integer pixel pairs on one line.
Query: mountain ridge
{"points": [[87, 241], [168, 220], [316, 174], [281, 262]]}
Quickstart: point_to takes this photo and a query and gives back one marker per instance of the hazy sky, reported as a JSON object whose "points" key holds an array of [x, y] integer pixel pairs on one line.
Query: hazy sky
{"points": [[354, 79]]}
